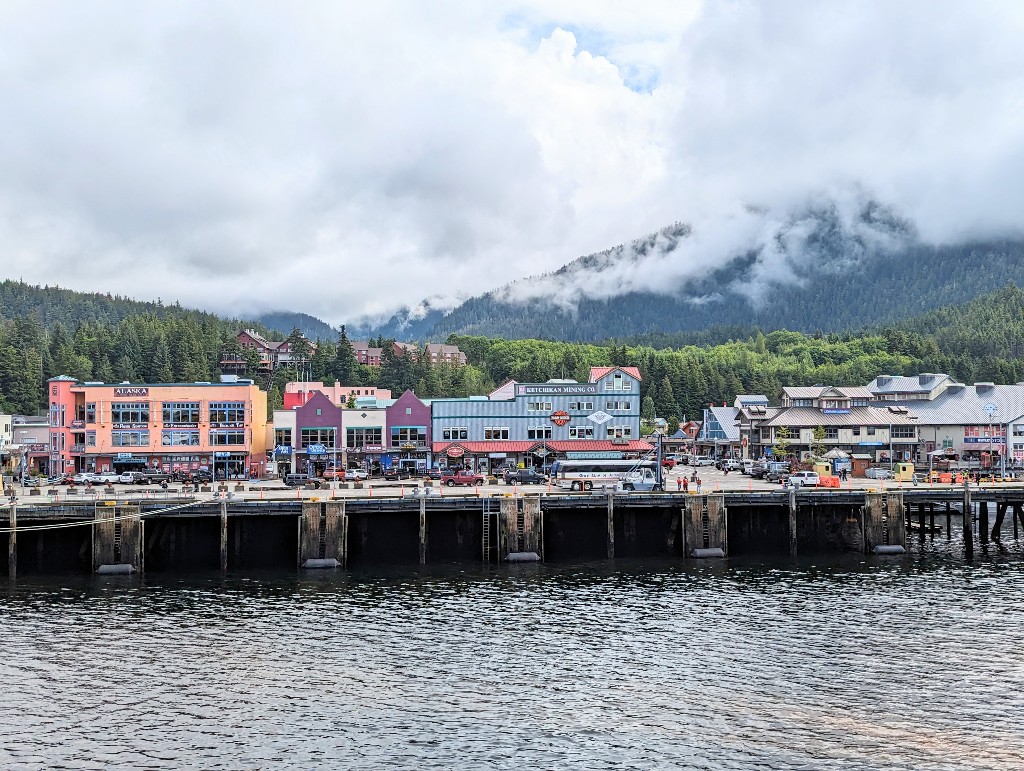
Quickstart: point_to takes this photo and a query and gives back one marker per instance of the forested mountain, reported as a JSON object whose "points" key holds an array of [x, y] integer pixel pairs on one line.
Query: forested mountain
{"points": [[976, 341], [284, 322], [820, 271]]}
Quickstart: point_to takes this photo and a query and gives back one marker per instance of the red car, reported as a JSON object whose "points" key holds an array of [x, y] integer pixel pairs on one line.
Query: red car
{"points": [[668, 462]]}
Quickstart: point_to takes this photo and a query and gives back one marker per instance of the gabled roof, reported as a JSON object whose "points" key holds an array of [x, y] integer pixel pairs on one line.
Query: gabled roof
{"points": [[726, 417], [820, 391], [809, 417], [900, 384], [596, 373]]}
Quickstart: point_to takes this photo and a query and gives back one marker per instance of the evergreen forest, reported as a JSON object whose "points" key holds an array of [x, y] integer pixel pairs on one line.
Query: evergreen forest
{"points": [[111, 340]]}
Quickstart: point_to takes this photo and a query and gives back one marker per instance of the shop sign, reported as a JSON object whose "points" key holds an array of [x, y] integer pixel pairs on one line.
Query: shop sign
{"points": [[560, 417], [181, 425], [593, 455], [556, 390], [984, 439], [835, 411], [283, 449], [498, 455], [599, 417], [455, 452], [227, 425], [316, 449], [373, 448], [222, 455], [78, 424], [133, 391], [129, 426], [123, 455]]}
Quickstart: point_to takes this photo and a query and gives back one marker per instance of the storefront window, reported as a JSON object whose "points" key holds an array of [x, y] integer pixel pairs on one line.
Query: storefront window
{"points": [[408, 435], [324, 436], [129, 438], [223, 438], [538, 432], [180, 412], [361, 437], [179, 438], [227, 412], [129, 412], [454, 433]]}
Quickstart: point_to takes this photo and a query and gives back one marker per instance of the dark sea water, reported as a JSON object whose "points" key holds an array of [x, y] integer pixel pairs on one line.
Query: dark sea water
{"points": [[853, 663]]}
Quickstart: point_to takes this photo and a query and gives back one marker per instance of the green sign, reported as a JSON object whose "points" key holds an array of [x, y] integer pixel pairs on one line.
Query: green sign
{"points": [[594, 455]]}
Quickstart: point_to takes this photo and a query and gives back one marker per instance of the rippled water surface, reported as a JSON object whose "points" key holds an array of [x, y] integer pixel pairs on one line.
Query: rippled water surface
{"points": [[912, 663]]}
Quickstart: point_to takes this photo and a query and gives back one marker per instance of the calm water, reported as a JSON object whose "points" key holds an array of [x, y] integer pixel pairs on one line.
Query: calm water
{"points": [[911, 663]]}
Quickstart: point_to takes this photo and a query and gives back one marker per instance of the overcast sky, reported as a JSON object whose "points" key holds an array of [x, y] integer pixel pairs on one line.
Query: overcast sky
{"points": [[346, 158]]}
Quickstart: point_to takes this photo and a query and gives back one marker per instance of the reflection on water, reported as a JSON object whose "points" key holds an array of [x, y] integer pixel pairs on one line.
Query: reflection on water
{"points": [[837, 663]]}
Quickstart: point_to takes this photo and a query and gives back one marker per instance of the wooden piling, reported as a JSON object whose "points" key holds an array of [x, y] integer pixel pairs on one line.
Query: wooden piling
{"points": [[792, 522], [949, 521], [1015, 516], [223, 535], [611, 526], [968, 524], [997, 527], [12, 541], [423, 531], [983, 522]]}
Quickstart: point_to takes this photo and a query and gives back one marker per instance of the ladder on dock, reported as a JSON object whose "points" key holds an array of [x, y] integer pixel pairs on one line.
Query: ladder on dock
{"points": [[488, 530]]}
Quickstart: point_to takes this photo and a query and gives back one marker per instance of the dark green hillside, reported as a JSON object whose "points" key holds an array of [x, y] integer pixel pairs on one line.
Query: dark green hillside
{"points": [[878, 289]]}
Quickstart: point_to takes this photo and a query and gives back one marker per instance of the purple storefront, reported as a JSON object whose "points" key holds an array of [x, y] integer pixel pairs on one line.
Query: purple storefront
{"points": [[317, 428], [408, 438]]}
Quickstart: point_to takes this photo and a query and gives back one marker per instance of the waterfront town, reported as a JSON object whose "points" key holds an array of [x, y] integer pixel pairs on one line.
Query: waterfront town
{"points": [[224, 429]]}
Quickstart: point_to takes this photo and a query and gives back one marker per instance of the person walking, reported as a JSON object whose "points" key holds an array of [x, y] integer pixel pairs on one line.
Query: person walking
{"points": [[698, 485], [686, 484], [679, 484]]}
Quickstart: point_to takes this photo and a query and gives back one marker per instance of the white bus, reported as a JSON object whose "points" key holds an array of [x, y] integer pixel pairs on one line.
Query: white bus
{"points": [[587, 474]]}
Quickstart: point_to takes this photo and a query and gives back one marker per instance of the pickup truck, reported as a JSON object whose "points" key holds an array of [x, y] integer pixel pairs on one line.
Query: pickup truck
{"points": [[461, 477]]}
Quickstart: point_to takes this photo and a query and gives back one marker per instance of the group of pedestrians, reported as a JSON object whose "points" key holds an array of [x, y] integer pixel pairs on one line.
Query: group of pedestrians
{"points": [[683, 484]]}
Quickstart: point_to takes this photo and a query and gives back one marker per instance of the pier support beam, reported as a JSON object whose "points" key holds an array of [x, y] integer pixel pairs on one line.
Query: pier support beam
{"points": [[533, 525], [423, 531], [12, 541], [968, 523], [792, 522], [705, 526], [610, 524], [323, 534], [520, 529], [116, 538], [884, 522], [983, 533], [223, 536], [998, 526]]}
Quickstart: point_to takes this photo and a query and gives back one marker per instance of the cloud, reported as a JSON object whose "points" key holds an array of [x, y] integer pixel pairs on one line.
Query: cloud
{"points": [[348, 159]]}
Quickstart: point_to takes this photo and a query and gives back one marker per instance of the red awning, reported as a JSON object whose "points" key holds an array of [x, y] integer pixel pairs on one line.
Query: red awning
{"points": [[556, 445], [482, 448]]}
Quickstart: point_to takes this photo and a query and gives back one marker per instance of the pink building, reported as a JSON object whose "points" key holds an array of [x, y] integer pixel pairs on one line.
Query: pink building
{"points": [[297, 394]]}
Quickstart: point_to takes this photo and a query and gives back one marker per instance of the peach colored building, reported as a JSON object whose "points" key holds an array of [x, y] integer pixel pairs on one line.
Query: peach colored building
{"points": [[220, 427], [297, 394]]}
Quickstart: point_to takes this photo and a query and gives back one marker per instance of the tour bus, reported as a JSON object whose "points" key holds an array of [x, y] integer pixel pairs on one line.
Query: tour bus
{"points": [[638, 475]]}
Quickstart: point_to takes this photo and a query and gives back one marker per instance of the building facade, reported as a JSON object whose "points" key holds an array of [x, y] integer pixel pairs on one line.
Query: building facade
{"points": [[220, 427], [531, 424], [296, 394]]}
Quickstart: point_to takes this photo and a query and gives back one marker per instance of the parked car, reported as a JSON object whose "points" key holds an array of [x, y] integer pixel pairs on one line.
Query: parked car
{"points": [[300, 480], [432, 473], [106, 478], [132, 478], [668, 462], [83, 478], [524, 476], [155, 476], [461, 477], [777, 472], [702, 460], [747, 467], [395, 473], [356, 475], [334, 474], [730, 464], [805, 479], [878, 472]]}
